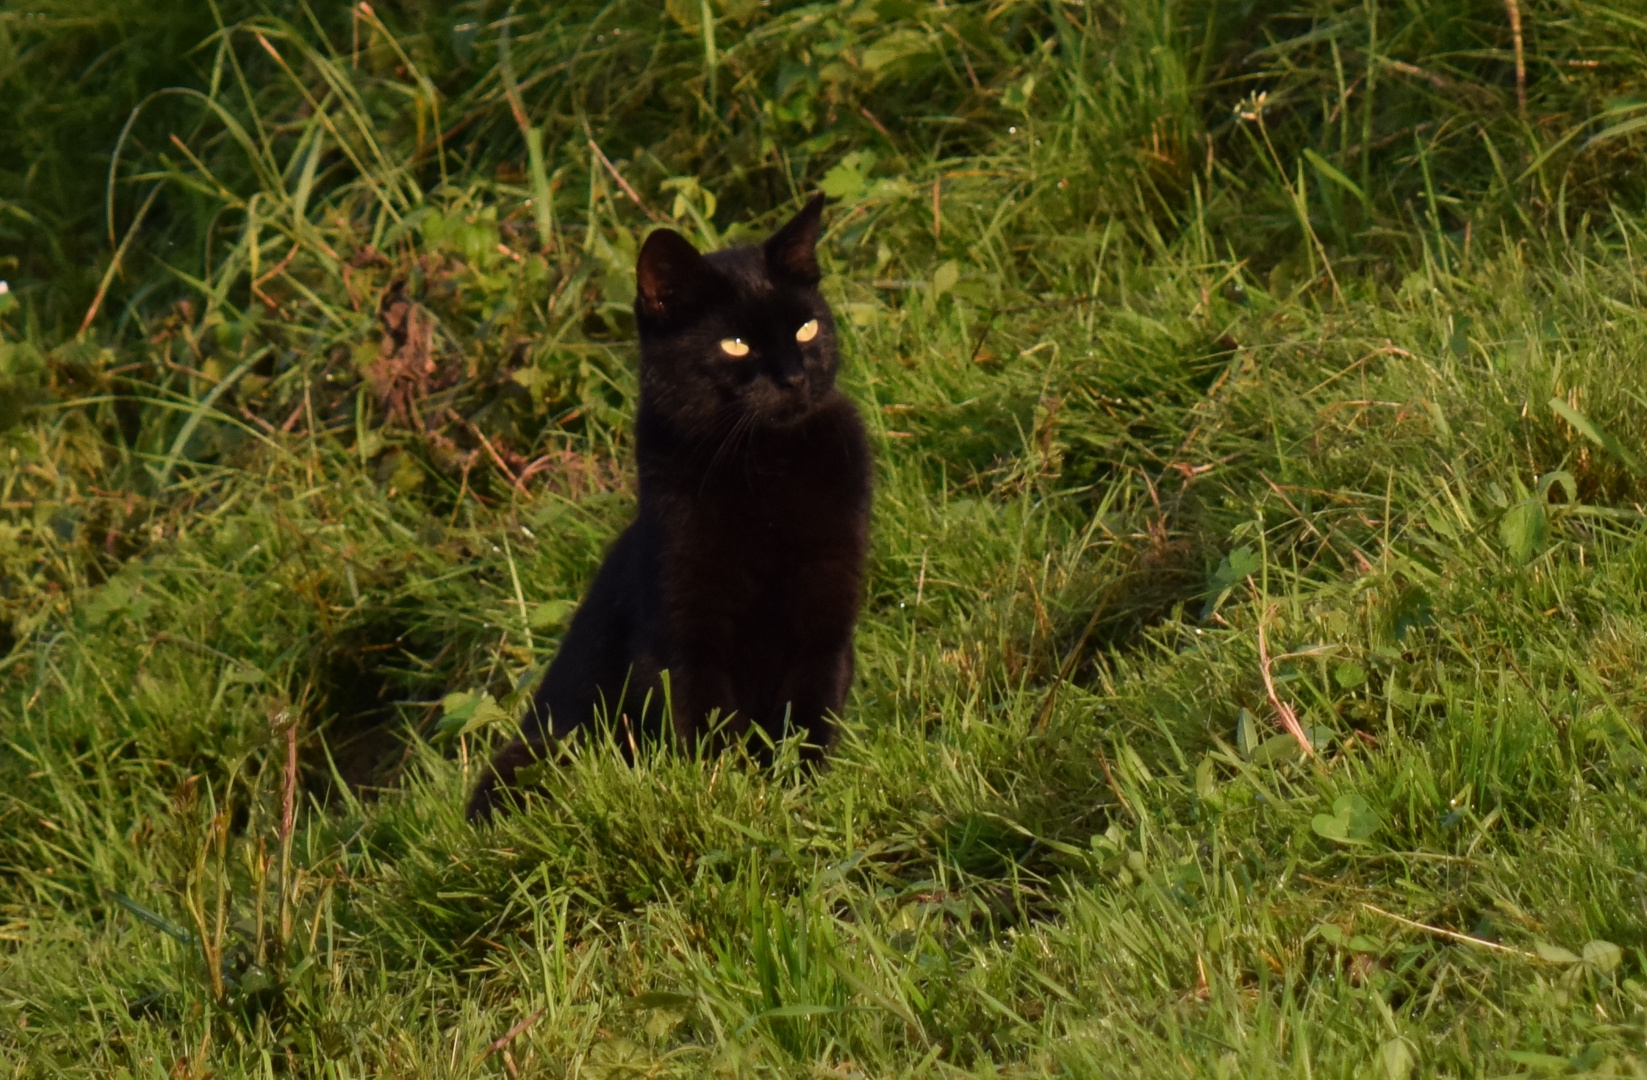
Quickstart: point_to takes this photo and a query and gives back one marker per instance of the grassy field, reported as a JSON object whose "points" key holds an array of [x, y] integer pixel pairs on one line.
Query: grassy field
{"points": [[1251, 676]]}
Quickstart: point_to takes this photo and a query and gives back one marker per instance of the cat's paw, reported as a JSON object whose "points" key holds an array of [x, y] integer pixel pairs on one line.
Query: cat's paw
{"points": [[497, 791]]}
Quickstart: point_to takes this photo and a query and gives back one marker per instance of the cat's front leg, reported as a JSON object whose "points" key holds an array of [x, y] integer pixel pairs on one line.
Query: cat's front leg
{"points": [[704, 703], [814, 693], [590, 674], [496, 788]]}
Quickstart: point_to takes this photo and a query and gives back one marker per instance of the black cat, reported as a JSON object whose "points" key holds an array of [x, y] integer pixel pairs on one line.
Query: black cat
{"points": [[734, 592]]}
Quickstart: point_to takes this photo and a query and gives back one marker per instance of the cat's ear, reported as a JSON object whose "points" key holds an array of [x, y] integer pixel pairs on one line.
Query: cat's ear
{"points": [[792, 251], [671, 278]]}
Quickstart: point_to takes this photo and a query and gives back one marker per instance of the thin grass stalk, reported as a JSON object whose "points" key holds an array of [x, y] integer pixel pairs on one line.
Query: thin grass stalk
{"points": [[711, 60], [119, 255], [323, 116]]}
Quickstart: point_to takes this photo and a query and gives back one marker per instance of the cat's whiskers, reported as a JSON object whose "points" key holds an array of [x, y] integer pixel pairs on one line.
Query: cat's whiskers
{"points": [[743, 423]]}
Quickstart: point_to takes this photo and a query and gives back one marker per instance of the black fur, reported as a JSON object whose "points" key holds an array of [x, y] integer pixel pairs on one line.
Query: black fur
{"points": [[741, 574]]}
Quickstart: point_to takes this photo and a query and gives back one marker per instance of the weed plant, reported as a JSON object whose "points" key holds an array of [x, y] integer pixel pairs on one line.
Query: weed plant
{"points": [[1250, 678]]}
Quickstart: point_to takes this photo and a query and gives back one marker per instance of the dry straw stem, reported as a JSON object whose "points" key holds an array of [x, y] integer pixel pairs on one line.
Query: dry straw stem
{"points": [[515, 481], [1514, 8], [114, 263], [1283, 711], [1451, 935], [509, 1036], [285, 722], [612, 171]]}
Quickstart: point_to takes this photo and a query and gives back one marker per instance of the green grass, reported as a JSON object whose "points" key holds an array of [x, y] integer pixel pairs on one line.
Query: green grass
{"points": [[1217, 361]]}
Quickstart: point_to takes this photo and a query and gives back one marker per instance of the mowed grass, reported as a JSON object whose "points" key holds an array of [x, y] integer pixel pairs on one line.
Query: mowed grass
{"points": [[1222, 367]]}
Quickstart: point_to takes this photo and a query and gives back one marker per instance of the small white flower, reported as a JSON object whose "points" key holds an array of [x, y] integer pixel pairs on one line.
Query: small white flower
{"points": [[1253, 105], [4, 288]]}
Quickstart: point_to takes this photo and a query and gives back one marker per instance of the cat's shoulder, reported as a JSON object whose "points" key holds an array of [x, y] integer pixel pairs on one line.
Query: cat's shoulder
{"points": [[836, 429], [838, 415]]}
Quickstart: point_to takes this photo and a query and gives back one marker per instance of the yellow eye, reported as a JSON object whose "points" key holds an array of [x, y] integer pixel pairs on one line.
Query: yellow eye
{"points": [[808, 330], [732, 346]]}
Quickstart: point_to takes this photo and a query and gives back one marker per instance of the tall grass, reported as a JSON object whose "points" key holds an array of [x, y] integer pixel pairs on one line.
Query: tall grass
{"points": [[1223, 365]]}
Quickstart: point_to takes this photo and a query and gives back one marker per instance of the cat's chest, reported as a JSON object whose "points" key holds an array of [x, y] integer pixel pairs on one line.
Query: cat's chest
{"points": [[769, 508], [772, 516], [772, 510]]}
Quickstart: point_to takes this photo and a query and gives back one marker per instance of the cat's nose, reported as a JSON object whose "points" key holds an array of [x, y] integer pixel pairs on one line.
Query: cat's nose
{"points": [[792, 373]]}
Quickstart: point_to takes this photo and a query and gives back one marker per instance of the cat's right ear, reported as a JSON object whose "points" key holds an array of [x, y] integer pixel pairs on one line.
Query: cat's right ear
{"points": [[670, 277]]}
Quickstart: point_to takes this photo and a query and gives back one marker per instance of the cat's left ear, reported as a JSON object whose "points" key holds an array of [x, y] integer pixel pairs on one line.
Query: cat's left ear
{"points": [[792, 251]]}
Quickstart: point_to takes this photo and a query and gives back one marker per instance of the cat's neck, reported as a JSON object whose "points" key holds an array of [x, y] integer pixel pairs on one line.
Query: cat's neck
{"points": [[670, 453], [659, 434]]}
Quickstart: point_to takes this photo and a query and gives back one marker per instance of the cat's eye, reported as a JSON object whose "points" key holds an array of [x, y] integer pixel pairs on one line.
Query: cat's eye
{"points": [[732, 346], [808, 330]]}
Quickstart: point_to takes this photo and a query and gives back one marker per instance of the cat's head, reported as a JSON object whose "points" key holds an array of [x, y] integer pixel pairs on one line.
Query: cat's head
{"points": [[739, 334]]}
